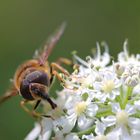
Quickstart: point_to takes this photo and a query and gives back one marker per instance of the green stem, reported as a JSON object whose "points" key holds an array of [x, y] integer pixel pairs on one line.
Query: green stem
{"points": [[126, 97], [137, 115], [121, 97], [104, 112], [86, 132]]}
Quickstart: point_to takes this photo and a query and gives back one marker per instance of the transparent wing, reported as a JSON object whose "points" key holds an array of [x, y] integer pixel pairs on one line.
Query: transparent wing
{"points": [[42, 55]]}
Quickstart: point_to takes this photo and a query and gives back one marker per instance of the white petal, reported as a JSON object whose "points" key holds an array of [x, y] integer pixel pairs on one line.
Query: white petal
{"points": [[72, 137], [109, 121], [118, 83], [97, 86], [135, 136], [88, 137], [58, 136], [130, 109], [92, 110], [34, 133], [111, 95], [65, 124], [116, 92], [113, 135], [134, 123], [102, 98], [45, 136], [71, 120], [100, 128], [84, 122], [47, 124], [107, 75], [137, 104], [124, 135], [70, 111], [68, 103], [115, 107], [136, 90]]}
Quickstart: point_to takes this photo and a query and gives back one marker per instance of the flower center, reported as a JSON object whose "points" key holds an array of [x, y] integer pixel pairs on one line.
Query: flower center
{"points": [[80, 107], [122, 117], [101, 137], [108, 86]]}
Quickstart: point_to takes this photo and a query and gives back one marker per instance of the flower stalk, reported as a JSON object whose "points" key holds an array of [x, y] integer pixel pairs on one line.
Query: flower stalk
{"points": [[126, 97]]}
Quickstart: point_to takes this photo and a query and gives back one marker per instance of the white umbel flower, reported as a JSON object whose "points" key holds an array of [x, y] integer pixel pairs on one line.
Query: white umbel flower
{"points": [[81, 111], [100, 100], [100, 133], [122, 120], [108, 86]]}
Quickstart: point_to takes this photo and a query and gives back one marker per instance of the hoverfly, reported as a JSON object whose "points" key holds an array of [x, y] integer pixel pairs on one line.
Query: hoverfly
{"points": [[33, 78]]}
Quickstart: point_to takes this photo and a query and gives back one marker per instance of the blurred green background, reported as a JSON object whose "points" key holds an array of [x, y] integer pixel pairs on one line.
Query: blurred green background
{"points": [[24, 26]]}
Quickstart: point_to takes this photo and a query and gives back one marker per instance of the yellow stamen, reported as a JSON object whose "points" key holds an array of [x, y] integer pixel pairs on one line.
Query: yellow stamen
{"points": [[122, 117], [80, 107], [108, 86]]}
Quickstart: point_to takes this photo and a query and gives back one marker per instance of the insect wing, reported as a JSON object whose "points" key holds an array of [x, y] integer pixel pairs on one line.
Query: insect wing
{"points": [[43, 55]]}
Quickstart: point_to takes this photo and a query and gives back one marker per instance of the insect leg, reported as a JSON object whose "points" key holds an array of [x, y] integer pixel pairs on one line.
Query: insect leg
{"points": [[37, 103], [63, 60], [38, 91], [10, 93], [55, 66], [32, 113]]}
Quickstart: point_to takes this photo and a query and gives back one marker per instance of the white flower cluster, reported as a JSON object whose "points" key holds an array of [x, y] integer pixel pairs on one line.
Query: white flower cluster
{"points": [[100, 101]]}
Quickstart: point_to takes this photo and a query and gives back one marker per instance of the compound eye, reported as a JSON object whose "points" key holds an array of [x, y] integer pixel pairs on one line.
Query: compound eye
{"points": [[38, 77], [43, 79]]}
